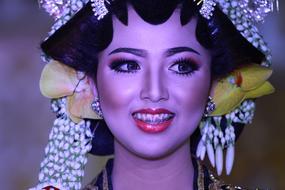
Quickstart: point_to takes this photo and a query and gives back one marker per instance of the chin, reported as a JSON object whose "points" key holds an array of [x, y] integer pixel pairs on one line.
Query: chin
{"points": [[154, 150]]}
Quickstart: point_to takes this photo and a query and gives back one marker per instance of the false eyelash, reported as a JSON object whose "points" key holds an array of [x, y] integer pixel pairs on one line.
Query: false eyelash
{"points": [[117, 63], [188, 61]]}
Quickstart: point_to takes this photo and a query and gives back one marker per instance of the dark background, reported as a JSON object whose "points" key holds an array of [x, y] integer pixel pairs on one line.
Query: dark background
{"points": [[25, 118]]}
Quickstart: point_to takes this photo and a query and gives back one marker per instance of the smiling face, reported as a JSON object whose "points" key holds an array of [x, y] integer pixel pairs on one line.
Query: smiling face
{"points": [[149, 67]]}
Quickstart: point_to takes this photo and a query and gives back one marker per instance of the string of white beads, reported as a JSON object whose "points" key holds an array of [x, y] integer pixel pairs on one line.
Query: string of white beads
{"points": [[237, 11], [66, 151]]}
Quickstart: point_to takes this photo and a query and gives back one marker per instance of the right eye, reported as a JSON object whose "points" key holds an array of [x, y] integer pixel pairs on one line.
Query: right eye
{"points": [[124, 66]]}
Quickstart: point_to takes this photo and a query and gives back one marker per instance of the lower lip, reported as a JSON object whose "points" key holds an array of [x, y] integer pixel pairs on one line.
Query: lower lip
{"points": [[153, 128]]}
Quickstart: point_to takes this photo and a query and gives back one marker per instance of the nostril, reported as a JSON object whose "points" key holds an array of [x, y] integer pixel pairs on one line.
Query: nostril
{"points": [[155, 94], [154, 97]]}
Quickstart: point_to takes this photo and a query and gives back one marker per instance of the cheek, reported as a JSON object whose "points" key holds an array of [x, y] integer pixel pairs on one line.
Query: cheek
{"points": [[197, 93], [194, 95], [115, 93], [111, 97]]}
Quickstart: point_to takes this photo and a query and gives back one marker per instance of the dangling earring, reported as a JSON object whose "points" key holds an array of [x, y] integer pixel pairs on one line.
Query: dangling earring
{"points": [[210, 107], [96, 107]]}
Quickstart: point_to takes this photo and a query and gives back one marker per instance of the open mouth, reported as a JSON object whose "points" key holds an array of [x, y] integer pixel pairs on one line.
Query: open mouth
{"points": [[151, 122], [153, 119]]}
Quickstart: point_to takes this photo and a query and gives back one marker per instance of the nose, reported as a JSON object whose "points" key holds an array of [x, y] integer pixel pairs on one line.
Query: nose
{"points": [[154, 87]]}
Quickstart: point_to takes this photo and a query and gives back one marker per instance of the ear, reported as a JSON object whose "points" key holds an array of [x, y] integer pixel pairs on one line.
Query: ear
{"points": [[212, 87], [93, 86], [79, 104]]}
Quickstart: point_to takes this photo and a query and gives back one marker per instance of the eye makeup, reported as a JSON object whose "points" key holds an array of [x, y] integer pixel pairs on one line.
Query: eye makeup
{"points": [[124, 66], [181, 66], [184, 66]]}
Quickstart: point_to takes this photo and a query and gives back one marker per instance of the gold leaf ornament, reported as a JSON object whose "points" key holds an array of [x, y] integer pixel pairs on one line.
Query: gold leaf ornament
{"points": [[58, 80], [247, 82]]}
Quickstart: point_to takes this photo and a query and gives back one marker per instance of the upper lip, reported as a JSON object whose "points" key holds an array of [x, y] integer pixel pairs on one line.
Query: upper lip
{"points": [[153, 111]]}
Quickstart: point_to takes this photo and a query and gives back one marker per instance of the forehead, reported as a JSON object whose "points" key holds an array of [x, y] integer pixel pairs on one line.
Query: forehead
{"points": [[140, 34]]}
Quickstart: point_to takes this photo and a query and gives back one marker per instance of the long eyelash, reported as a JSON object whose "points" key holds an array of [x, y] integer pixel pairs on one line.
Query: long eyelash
{"points": [[117, 63], [190, 62]]}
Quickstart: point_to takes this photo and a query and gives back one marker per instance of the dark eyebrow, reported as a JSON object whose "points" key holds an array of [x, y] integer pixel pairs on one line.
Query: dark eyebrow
{"points": [[176, 50], [137, 52]]}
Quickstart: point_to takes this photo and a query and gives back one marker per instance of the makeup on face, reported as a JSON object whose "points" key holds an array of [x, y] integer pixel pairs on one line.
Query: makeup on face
{"points": [[154, 120], [183, 65], [153, 84]]}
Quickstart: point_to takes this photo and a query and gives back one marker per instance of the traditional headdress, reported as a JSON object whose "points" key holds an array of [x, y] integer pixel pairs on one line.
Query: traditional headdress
{"points": [[71, 137]]}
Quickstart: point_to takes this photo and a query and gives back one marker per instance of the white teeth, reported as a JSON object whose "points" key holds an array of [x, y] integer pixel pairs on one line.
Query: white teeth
{"points": [[153, 118], [164, 116], [148, 117], [142, 116]]}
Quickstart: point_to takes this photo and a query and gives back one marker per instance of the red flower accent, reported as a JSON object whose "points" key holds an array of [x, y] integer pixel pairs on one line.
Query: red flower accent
{"points": [[238, 78]]}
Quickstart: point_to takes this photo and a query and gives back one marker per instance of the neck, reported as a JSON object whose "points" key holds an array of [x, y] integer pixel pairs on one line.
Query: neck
{"points": [[132, 172]]}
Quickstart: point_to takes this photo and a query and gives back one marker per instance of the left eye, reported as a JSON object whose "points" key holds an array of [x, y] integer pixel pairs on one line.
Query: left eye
{"points": [[184, 67], [124, 66]]}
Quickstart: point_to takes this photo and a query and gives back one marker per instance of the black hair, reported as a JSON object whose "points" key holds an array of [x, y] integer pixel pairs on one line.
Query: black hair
{"points": [[78, 42]]}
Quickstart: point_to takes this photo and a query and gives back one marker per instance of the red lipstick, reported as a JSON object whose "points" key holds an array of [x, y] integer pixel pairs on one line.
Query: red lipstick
{"points": [[151, 127]]}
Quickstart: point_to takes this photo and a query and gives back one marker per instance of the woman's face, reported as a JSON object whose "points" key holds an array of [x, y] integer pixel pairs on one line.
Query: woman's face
{"points": [[153, 82]]}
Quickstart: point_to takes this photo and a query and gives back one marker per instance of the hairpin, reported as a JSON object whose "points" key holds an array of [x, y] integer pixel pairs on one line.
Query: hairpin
{"points": [[60, 8], [255, 10], [99, 8]]}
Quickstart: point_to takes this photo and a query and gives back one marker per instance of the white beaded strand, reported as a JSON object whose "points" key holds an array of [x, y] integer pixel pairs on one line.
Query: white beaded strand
{"points": [[66, 152]]}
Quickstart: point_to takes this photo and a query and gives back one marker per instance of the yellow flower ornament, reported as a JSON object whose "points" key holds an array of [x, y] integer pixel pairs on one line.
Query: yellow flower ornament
{"points": [[58, 80], [247, 82], [229, 95]]}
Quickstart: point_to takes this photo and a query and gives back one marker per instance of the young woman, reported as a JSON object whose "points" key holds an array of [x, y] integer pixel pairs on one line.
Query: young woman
{"points": [[141, 80]]}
